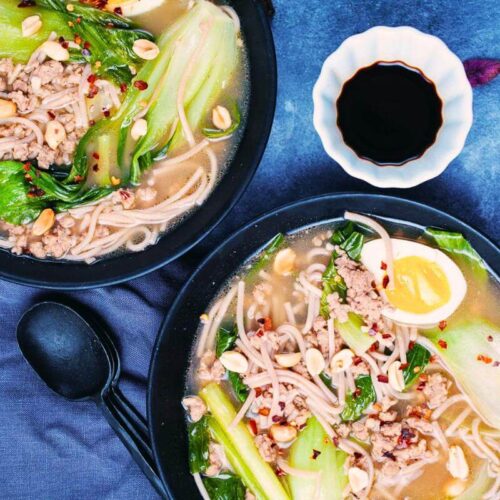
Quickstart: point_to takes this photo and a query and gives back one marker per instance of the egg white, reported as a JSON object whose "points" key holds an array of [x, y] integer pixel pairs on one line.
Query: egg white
{"points": [[373, 255]]}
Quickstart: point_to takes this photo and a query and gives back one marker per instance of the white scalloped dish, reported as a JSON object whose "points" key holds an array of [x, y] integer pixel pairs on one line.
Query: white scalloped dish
{"points": [[417, 50]]}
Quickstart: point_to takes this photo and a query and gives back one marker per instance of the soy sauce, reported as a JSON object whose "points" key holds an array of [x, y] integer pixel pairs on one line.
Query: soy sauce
{"points": [[389, 113]]}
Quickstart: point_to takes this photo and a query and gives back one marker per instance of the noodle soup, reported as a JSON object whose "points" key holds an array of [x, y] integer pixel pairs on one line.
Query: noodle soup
{"points": [[96, 159], [342, 362]]}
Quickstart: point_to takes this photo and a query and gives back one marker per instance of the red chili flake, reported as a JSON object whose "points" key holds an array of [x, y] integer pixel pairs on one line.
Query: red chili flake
{"points": [[443, 344], [106, 112], [356, 360], [357, 393], [264, 412], [406, 437], [35, 192], [277, 418], [421, 385], [61, 39], [281, 405], [93, 91], [91, 123], [95, 168], [124, 194], [411, 345], [336, 441], [28, 177], [386, 335], [442, 325], [389, 455], [357, 455], [374, 347], [383, 266], [118, 11], [258, 391], [374, 285], [91, 78], [27, 167], [52, 115], [302, 426], [280, 472], [95, 155], [385, 281], [315, 454], [86, 45], [78, 179], [123, 87], [78, 20], [433, 358], [140, 84], [485, 359], [384, 379], [496, 363], [403, 366], [489, 338], [26, 3], [268, 324], [78, 39], [374, 327], [259, 333], [65, 45]]}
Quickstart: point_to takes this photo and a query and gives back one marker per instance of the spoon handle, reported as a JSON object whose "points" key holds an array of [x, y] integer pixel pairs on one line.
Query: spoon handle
{"points": [[132, 436]]}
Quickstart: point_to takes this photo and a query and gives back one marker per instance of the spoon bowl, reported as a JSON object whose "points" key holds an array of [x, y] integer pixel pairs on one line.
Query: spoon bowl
{"points": [[65, 351]]}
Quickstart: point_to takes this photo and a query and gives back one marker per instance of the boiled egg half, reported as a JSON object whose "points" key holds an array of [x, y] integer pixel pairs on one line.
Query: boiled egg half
{"points": [[428, 286]]}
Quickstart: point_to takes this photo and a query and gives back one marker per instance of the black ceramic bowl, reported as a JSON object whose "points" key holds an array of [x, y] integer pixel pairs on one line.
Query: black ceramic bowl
{"points": [[66, 275], [177, 334]]}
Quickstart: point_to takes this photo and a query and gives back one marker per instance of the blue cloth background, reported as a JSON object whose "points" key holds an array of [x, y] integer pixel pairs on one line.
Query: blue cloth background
{"points": [[53, 449]]}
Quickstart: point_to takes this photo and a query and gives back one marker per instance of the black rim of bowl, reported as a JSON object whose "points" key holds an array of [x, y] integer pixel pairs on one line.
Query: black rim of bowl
{"points": [[170, 359], [123, 267]]}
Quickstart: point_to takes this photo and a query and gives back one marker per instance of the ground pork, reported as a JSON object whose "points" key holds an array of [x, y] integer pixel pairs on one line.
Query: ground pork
{"points": [[195, 407], [267, 447], [436, 390], [211, 369], [217, 459], [39, 92]]}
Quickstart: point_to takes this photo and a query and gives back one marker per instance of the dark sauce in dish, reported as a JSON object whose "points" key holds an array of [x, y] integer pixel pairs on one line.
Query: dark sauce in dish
{"points": [[389, 113]]}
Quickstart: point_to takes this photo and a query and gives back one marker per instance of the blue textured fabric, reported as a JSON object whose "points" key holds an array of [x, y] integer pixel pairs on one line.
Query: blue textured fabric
{"points": [[54, 449]]}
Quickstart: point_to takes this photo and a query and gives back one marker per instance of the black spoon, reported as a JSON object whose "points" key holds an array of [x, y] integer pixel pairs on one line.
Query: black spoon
{"points": [[77, 359]]}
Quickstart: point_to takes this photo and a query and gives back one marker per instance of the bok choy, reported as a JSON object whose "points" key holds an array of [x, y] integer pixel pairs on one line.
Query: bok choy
{"points": [[239, 447], [198, 56], [314, 451], [469, 349], [353, 335], [111, 47]]}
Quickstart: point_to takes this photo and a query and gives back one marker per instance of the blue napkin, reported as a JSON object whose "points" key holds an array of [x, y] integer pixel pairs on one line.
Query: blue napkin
{"points": [[54, 449]]}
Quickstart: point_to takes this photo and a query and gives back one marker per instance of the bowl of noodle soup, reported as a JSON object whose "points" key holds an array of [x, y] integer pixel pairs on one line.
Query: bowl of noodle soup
{"points": [[286, 385], [121, 195]]}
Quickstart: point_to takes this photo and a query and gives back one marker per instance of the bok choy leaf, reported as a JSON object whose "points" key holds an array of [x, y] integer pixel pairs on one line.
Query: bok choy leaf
{"points": [[314, 451], [332, 282], [355, 405], [199, 439], [225, 486], [265, 257], [470, 350], [350, 239], [457, 246], [353, 335], [417, 359]]}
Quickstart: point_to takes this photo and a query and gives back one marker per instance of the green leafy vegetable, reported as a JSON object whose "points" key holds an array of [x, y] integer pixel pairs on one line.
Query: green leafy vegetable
{"points": [[209, 56], [353, 335], [356, 405], [350, 239], [265, 257], [417, 359], [456, 245], [213, 133], [332, 282], [469, 349], [17, 205], [110, 37], [240, 448], [239, 387], [226, 337], [314, 451], [199, 439], [226, 486]]}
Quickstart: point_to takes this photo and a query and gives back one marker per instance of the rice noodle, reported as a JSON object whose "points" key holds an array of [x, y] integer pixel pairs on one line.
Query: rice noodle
{"points": [[438, 434], [331, 338], [352, 447], [201, 487], [214, 167], [309, 286], [311, 313], [493, 491], [481, 444], [317, 252], [274, 381], [164, 165], [295, 334], [378, 228], [28, 124], [243, 410], [289, 313], [457, 398]]}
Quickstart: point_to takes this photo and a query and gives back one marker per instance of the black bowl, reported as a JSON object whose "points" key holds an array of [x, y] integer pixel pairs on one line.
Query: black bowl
{"points": [[171, 354], [68, 275]]}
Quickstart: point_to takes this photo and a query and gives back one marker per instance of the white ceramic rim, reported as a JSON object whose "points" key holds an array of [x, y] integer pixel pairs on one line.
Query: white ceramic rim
{"points": [[438, 63]]}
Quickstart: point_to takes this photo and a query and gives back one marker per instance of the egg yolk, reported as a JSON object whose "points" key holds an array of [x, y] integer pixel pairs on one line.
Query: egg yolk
{"points": [[420, 286]]}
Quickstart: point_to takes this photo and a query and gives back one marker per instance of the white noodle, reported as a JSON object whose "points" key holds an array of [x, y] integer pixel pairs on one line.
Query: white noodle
{"points": [[449, 402], [438, 434], [243, 410], [289, 313], [201, 487]]}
